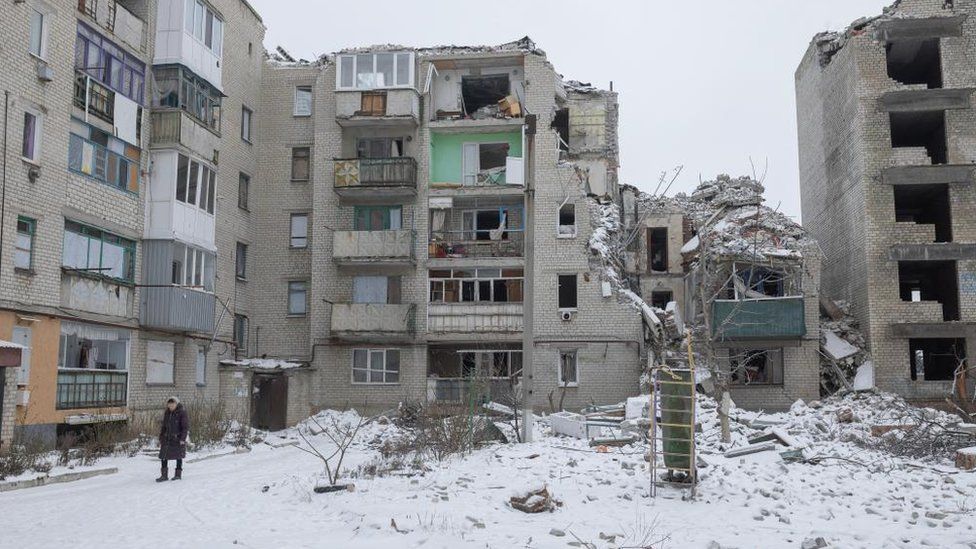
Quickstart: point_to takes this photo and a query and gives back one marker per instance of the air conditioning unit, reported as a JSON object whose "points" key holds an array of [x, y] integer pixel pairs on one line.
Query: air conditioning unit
{"points": [[44, 72], [566, 316], [23, 397]]}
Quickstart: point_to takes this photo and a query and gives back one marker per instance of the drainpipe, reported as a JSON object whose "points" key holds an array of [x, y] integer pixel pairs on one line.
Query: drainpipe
{"points": [[3, 182]]}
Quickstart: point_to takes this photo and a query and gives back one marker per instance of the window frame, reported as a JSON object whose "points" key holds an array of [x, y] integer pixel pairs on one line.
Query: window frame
{"points": [[37, 129], [241, 327], [94, 233], [291, 231], [243, 190], [388, 217], [31, 233], [204, 188], [774, 365], [354, 66], [575, 225], [108, 53], [370, 353], [191, 26], [293, 286], [247, 120], [295, 107], [42, 40], [458, 279], [240, 261], [188, 270], [131, 166], [559, 368], [308, 164]]}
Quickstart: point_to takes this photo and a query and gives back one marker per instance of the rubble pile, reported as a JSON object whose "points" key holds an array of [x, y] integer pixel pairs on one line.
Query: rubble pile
{"points": [[843, 351]]}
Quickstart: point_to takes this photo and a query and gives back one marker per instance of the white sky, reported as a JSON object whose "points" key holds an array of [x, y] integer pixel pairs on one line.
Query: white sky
{"points": [[706, 84]]}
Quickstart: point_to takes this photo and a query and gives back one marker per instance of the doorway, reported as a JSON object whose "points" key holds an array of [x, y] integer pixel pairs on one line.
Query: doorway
{"points": [[269, 401]]}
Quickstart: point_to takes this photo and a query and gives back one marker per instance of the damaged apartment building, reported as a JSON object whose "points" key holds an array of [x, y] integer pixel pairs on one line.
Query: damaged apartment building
{"points": [[886, 138], [743, 277]]}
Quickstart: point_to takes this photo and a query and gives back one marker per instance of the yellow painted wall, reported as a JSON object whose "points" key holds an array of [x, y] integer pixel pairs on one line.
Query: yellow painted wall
{"points": [[43, 382]]}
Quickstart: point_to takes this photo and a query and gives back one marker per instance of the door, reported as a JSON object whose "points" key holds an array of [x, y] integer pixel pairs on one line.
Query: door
{"points": [[269, 401]]}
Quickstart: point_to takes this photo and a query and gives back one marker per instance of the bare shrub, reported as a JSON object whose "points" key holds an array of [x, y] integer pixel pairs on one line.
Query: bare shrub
{"points": [[341, 434], [209, 422], [25, 454]]}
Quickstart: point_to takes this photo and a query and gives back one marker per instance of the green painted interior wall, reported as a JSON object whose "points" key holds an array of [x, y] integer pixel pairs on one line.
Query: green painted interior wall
{"points": [[446, 152]]}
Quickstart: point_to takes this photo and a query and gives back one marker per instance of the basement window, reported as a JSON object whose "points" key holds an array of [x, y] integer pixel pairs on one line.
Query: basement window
{"points": [[567, 220], [921, 129], [756, 366], [925, 205], [657, 249], [930, 281], [915, 62], [483, 91], [935, 359]]}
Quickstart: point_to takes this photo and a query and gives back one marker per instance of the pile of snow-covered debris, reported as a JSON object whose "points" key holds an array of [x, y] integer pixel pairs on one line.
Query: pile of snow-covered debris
{"points": [[845, 362]]}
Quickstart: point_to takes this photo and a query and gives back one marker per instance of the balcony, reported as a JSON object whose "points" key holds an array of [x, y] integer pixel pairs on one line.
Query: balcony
{"points": [[772, 318], [177, 309], [475, 244], [380, 178], [94, 294], [379, 248], [378, 109], [101, 100], [115, 18], [174, 127], [369, 321], [87, 388], [460, 390], [468, 318]]}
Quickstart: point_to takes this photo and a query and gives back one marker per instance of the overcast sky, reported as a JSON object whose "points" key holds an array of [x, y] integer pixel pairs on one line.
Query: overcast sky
{"points": [[706, 84]]}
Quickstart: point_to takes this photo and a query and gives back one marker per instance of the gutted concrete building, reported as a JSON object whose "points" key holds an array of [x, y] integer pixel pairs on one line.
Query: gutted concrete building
{"points": [[887, 141]]}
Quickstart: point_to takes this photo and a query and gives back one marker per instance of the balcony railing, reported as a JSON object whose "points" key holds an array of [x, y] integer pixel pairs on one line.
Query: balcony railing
{"points": [[460, 390], [101, 100], [474, 317], [373, 318], [177, 309], [375, 172], [465, 244], [91, 389], [373, 247], [769, 318]]}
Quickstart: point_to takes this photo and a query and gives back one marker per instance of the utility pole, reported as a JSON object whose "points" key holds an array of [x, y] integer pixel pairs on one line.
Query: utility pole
{"points": [[528, 303]]}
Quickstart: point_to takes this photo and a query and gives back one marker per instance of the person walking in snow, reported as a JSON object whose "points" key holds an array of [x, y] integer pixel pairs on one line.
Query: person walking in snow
{"points": [[172, 438]]}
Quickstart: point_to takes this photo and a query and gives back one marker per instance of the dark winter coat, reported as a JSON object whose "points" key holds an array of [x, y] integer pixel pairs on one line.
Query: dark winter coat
{"points": [[172, 435]]}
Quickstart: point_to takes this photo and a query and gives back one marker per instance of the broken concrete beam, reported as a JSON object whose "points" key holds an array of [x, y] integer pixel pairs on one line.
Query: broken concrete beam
{"points": [[774, 434], [761, 423], [612, 441], [751, 449], [966, 458]]}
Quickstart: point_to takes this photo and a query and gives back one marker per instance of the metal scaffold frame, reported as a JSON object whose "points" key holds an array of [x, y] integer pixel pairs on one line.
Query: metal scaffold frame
{"points": [[669, 429]]}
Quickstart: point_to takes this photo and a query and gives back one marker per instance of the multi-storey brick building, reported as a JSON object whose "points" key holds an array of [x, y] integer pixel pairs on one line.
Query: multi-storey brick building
{"points": [[886, 139]]}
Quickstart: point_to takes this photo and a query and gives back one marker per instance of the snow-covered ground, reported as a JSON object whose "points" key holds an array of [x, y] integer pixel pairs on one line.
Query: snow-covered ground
{"points": [[264, 499]]}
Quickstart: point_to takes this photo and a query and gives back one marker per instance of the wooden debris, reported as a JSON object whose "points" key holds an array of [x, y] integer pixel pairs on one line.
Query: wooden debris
{"points": [[536, 501], [616, 442]]}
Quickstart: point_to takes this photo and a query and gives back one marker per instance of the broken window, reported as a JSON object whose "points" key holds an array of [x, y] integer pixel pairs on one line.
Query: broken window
{"points": [[753, 282], [661, 298], [377, 218], [376, 289], [483, 91], [915, 62], [300, 163], [240, 333], [567, 292], [935, 359], [657, 249], [466, 363], [756, 366], [560, 123], [379, 147], [921, 129], [568, 369], [567, 220], [930, 281], [476, 285], [484, 163], [925, 205]]}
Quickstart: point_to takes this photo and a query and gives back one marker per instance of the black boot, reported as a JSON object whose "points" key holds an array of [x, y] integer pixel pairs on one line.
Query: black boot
{"points": [[178, 474], [164, 474]]}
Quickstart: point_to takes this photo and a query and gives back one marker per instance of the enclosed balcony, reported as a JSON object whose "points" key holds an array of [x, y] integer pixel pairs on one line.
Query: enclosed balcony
{"points": [[468, 318], [177, 309], [113, 16], [378, 248], [378, 108], [100, 100], [380, 178], [770, 318], [372, 321], [174, 127], [82, 388], [476, 228]]}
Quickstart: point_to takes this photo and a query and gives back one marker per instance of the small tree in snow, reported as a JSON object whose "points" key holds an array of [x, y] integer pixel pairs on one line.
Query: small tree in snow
{"points": [[341, 434]]}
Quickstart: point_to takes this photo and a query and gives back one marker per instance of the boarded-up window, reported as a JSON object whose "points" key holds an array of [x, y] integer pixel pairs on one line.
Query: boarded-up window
{"points": [[160, 356], [373, 104]]}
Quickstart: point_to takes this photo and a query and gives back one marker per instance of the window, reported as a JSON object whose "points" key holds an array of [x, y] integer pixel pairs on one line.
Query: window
{"points": [[201, 367], [567, 291], [179, 88], [568, 369], [196, 183], [297, 297], [756, 366], [109, 64], [567, 220], [241, 263], [936, 359], [486, 224], [365, 71], [37, 44], [376, 289], [93, 347], [103, 157], [160, 358], [300, 163], [96, 252], [379, 147], [24, 244], [377, 218], [484, 163], [476, 285], [240, 333], [243, 187], [203, 24], [756, 282], [657, 249], [193, 267], [661, 298], [21, 335], [299, 230], [31, 149], [246, 115], [376, 366], [372, 104], [303, 101]]}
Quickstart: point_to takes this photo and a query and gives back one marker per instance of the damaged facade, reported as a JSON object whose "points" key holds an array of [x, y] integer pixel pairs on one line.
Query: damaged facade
{"points": [[886, 140]]}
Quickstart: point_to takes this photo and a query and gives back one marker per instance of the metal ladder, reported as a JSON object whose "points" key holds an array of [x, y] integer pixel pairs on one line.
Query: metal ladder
{"points": [[676, 426]]}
